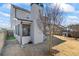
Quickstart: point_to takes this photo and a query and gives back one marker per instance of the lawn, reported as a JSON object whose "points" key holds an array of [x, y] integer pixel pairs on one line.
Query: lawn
{"points": [[10, 37], [68, 48]]}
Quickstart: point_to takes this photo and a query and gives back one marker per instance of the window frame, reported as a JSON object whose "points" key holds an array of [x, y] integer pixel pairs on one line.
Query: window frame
{"points": [[27, 28]]}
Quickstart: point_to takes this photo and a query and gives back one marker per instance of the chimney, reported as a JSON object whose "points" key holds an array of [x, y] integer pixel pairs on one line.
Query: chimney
{"points": [[40, 4]]}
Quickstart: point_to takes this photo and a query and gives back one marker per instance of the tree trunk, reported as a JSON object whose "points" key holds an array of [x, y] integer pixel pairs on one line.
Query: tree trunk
{"points": [[50, 39]]}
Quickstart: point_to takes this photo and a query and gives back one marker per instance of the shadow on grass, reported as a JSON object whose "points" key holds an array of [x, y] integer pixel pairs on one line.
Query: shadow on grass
{"points": [[56, 41]]}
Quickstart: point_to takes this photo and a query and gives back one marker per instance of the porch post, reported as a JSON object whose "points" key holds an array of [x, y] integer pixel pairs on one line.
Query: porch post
{"points": [[20, 34]]}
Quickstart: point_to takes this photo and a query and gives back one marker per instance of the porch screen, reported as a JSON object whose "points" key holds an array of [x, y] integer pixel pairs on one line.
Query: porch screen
{"points": [[25, 30], [17, 31]]}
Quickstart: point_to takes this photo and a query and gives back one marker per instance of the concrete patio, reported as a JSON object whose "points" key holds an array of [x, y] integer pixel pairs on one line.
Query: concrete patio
{"points": [[12, 48]]}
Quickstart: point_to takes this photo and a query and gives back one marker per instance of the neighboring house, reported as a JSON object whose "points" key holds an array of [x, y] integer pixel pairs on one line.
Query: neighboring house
{"points": [[74, 32], [24, 24], [65, 31], [58, 29], [74, 27], [71, 31]]}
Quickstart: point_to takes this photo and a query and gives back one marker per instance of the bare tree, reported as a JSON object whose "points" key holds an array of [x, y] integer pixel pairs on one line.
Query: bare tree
{"points": [[48, 18]]}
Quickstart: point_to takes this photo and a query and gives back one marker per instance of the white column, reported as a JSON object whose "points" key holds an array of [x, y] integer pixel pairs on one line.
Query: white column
{"points": [[20, 30]]}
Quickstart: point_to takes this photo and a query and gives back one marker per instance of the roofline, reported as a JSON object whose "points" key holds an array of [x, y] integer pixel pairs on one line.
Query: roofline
{"points": [[16, 7], [24, 20]]}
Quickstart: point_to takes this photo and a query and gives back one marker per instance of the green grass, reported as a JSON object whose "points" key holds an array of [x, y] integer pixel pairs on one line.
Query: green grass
{"points": [[10, 37]]}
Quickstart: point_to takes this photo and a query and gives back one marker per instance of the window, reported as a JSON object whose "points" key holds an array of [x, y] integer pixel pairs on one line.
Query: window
{"points": [[17, 30], [25, 30]]}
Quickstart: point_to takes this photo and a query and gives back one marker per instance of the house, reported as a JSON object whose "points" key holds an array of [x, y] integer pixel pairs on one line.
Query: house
{"points": [[24, 24], [65, 32], [71, 31], [57, 29], [74, 32]]}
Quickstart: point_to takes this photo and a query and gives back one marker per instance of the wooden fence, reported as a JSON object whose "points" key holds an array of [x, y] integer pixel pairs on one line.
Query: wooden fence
{"points": [[2, 40]]}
